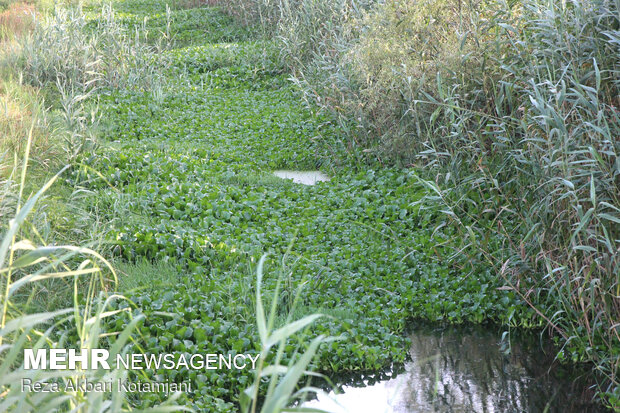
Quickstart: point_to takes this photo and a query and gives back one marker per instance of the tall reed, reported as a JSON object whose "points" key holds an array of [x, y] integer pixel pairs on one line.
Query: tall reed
{"points": [[282, 380], [24, 262], [73, 57], [510, 111]]}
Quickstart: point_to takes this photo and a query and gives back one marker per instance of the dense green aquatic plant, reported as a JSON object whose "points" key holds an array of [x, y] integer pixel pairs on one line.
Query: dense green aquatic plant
{"points": [[513, 116], [194, 190], [22, 263], [190, 165]]}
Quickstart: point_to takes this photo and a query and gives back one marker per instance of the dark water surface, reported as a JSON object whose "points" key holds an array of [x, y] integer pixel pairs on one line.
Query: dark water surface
{"points": [[469, 369]]}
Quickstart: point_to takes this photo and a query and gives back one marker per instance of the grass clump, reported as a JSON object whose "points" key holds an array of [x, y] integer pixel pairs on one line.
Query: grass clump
{"points": [[23, 263], [22, 115], [145, 275], [66, 50], [16, 18]]}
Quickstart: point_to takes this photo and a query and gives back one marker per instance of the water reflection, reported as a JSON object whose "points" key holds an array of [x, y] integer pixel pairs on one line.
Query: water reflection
{"points": [[303, 177], [468, 370]]}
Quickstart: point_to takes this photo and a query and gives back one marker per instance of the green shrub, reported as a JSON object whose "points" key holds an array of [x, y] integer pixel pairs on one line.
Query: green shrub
{"points": [[69, 48], [399, 53]]}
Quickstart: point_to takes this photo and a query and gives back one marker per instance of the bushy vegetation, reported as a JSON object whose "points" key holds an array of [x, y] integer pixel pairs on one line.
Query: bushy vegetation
{"points": [[174, 116], [512, 109], [71, 59], [194, 168], [24, 262]]}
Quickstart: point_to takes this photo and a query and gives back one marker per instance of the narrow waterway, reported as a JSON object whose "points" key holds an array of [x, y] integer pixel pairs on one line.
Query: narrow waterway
{"points": [[191, 160], [468, 369]]}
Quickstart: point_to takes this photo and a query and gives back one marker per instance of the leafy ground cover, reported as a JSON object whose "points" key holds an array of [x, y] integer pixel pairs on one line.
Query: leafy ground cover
{"points": [[187, 186]]}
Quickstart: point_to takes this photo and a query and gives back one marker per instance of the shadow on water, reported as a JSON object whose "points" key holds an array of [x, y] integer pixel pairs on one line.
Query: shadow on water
{"points": [[467, 369]]}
